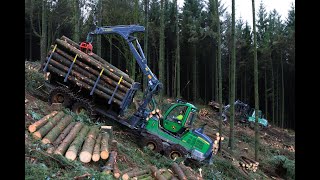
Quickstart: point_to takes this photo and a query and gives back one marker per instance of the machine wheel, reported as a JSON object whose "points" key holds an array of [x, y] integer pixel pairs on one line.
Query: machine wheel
{"points": [[251, 125], [85, 105], [153, 143], [60, 95], [175, 151]]}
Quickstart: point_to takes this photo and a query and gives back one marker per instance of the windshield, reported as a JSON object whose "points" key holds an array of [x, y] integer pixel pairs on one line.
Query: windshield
{"points": [[191, 118]]}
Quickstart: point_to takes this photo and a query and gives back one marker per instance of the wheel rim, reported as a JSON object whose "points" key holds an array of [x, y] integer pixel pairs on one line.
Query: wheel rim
{"points": [[58, 98], [175, 154], [151, 146], [81, 108]]}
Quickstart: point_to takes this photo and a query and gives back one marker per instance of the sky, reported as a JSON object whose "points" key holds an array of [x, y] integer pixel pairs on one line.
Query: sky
{"points": [[244, 7]]}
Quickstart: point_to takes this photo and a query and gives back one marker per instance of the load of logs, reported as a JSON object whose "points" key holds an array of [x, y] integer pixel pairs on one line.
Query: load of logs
{"points": [[156, 112], [88, 71], [217, 142], [248, 164], [69, 138]]}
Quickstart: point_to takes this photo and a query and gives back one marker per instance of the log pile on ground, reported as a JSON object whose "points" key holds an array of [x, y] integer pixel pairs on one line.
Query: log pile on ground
{"points": [[217, 142], [70, 139], [247, 164], [85, 70]]}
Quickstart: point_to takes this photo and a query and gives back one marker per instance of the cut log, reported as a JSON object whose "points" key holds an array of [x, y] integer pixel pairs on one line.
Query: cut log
{"points": [[94, 56], [174, 178], [50, 149], [54, 133], [104, 154], [77, 143], [87, 149], [81, 83], [90, 73], [90, 70], [94, 63], [63, 134], [116, 171], [119, 95], [131, 174], [176, 169], [156, 173], [166, 174], [96, 149], [187, 172], [48, 126], [33, 127], [110, 162], [61, 149]]}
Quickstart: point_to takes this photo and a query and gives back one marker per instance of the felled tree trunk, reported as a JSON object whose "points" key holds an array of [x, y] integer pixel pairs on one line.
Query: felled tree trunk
{"points": [[48, 126], [156, 173], [61, 149], [54, 133], [87, 149], [32, 128], [178, 171], [116, 171], [110, 162], [96, 149], [63, 134], [76, 144], [131, 174], [104, 154], [187, 172]]}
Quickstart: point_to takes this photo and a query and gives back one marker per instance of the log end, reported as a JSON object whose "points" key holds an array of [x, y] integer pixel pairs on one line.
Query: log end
{"points": [[71, 155], [95, 157], [104, 154], [125, 176], [116, 175], [45, 141], [37, 135], [85, 157], [32, 128], [50, 150]]}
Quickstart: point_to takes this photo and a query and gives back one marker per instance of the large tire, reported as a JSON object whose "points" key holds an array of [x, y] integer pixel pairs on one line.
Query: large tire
{"points": [[153, 143], [60, 95], [86, 105], [175, 150]]}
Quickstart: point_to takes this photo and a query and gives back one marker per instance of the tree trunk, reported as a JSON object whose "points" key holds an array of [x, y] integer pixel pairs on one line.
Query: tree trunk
{"points": [[265, 92], [145, 46], [219, 66], [104, 146], [131, 174], [233, 68], [187, 172], [282, 94], [76, 21], [49, 125], [61, 149], [54, 133], [37, 125], [99, 25], [64, 134], [194, 75], [256, 90], [161, 48], [75, 146], [109, 165], [177, 65], [116, 171], [87, 149], [96, 149], [168, 74], [156, 173], [272, 86], [43, 39], [175, 167]]}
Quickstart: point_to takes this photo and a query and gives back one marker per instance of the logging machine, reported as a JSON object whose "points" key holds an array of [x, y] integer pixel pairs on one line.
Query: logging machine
{"points": [[166, 133]]}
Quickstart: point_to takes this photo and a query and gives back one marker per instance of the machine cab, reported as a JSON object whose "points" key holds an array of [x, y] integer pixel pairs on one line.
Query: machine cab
{"points": [[179, 117]]}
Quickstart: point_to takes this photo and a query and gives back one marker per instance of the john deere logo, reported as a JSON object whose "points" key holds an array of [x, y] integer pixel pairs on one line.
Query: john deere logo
{"points": [[173, 127]]}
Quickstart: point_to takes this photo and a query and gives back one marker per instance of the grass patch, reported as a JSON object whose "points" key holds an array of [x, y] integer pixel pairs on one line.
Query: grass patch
{"points": [[280, 165]]}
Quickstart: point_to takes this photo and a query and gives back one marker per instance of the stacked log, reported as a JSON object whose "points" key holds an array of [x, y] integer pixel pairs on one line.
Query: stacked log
{"points": [[70, 139], [217, 143], [248, 164], [86, 68], [156, 112]]}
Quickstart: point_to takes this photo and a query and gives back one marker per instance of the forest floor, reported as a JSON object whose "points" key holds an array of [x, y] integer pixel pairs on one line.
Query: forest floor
{"points": [[276, 159]]}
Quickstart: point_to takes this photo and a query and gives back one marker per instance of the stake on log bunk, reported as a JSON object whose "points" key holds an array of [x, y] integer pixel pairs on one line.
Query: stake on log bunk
{"points": [[109, 102], [69, 70], [46, 66], [95, 84]]}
